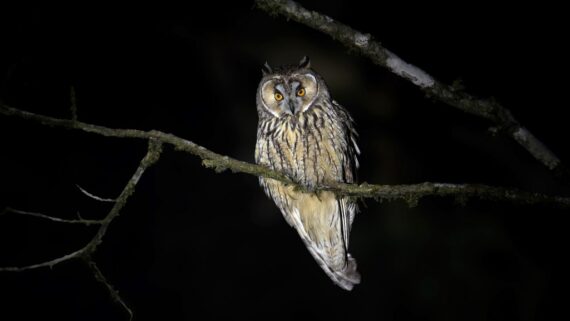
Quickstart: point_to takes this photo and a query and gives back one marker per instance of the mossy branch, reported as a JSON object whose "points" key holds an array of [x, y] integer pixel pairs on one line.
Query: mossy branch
{"points": [[454, 96], [218, 162]]}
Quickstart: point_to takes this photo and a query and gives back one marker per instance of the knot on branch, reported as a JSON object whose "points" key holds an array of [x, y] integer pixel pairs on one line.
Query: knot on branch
{"points": [[154, 151]]}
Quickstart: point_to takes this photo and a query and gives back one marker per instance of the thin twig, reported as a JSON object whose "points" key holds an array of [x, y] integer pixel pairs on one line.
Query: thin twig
{"points": [[52, 218], [219, 162], [51, 263], [365, 45], [112, 292], [95, 197]]}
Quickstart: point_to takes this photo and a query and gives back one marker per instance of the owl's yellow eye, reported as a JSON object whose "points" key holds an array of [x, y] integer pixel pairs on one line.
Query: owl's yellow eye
{"points": [[278, 96], [301, 92]]}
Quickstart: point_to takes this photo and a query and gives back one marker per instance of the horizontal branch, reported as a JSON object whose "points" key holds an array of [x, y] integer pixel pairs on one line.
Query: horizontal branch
{"points": [[410, 193], [210, 159], [461, 192], [365, 45]]}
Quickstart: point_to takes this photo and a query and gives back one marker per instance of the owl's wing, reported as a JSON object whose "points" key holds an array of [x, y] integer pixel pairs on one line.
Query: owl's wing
{"points": [[349, 165], [267, 154], [279, 193], [317, 221]]}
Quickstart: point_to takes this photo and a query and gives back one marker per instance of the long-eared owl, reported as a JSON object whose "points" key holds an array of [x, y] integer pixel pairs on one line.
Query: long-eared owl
{"points": [[305, 134]]}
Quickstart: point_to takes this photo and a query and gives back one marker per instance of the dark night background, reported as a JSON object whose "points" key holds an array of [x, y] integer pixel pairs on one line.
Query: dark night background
{"points": [[195, 244]]}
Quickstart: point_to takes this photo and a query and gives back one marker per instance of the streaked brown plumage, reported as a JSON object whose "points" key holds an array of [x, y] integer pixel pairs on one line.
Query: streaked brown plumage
{"points": [[305, 134]]}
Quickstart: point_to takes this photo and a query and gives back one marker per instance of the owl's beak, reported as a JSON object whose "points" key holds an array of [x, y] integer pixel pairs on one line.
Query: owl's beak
{"points": [[292, 106]]}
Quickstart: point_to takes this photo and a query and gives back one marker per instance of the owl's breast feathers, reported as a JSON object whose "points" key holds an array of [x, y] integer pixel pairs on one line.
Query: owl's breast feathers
{"points": [[314, 148]]}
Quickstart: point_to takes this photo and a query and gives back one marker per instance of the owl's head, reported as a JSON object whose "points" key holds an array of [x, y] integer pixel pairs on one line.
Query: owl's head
{"points": [[289, 90]]}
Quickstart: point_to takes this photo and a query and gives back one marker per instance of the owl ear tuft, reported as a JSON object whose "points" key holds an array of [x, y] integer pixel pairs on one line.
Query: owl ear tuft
{"points": [[266, 69], [305, 62]]}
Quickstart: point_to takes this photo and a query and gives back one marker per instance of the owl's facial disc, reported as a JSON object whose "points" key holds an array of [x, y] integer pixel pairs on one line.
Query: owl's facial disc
{"points": [[274, 97], [289, 96]]}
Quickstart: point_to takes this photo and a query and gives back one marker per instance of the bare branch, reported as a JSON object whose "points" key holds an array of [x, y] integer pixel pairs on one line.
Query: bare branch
{"points": [[151, 157], [95, 197], [52, 218], [381, 192], [365, 44], [112, 292], [51, 263]]}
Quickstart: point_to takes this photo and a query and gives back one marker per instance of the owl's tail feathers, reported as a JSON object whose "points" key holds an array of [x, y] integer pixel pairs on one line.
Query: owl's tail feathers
{"points": [[344, 275], [348, 276]]}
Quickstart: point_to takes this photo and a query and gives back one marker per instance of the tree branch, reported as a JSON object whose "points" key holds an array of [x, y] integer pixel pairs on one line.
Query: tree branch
{"points": [[151, 157], [365, 45], [210, 159], [93, 196], [462, 192], [51, 263], [99, 276], [51, 218]]}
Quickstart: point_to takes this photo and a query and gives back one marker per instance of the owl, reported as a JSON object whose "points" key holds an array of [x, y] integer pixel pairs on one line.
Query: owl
{"points": [[305, 134]]}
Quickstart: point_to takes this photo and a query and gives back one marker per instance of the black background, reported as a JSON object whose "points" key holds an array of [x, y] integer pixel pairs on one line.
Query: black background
{"points": [[195, 244]]}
